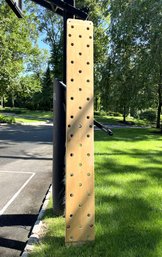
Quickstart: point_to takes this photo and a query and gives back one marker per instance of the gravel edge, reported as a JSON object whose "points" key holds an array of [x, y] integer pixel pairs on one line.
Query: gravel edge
{"points": [[37, 228]]}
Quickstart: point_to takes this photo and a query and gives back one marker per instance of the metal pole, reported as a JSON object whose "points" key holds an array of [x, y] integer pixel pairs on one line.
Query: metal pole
{"points": [[59, 147], [60, 131]]}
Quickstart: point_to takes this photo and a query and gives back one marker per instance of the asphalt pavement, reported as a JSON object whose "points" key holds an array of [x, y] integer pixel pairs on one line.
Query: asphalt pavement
{"points": [[25, 176]]}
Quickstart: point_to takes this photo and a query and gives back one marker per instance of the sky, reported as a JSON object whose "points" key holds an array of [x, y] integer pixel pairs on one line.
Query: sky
{"points": [[41, 44]]}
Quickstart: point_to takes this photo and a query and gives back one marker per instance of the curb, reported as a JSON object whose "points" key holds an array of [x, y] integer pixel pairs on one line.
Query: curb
{"points": [[35, 234]]}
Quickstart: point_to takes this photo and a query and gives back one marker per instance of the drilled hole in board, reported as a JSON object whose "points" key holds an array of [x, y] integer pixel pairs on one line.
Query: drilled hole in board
{"points": [[90, 37], [80, 71], [91, 126], [71, 195], [68, 226], [88, 215], [80, 36], [88, 117], [80, 164], [88, 174], [72, 27], [71, 215], [88, 45], [88, 135], [72, 80], [71, 154], [91, 225], [72, 98], [80, 89], [69, 126], [71, 135], [88, 98], [71, 174], [88, 80], [88, 154], [71, 116], [72, 62], [72, 44], [80, 107], [80, 184], [69, 35], [80, 205], [80, 126], [88, 63], [80, 53], [87, 28]]}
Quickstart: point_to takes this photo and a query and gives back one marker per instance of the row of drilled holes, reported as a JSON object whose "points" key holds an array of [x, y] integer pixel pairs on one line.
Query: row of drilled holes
{"points": [[71, 195], [80, 89], [72, 62], [88, 174], [88, 80], [71, 215], [72, 117], [80, 36], [72, 44], [72, 154], [72, 26], [79, 126]]}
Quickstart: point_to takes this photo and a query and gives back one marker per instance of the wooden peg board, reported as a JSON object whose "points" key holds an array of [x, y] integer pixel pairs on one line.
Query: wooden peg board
{"points": [[79, 133]]}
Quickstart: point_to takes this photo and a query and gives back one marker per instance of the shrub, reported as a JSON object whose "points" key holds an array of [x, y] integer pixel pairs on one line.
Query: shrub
{"points": [[149, 115], [7, 119], [13, 110], [115, 114]]}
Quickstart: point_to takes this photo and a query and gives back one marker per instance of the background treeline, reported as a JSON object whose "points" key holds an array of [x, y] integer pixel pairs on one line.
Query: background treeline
{"points": [[128, 56]]}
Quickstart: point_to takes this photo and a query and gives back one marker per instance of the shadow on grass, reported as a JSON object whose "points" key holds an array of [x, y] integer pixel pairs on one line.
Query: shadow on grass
{"points": [[128, 135], [128, 204]]}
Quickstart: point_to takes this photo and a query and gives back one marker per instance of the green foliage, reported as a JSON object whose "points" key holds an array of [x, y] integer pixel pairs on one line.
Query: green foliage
{"points": [[13, 110], [7, 119], [46, 96], [136, 49], [17, 41], [149, 115]]}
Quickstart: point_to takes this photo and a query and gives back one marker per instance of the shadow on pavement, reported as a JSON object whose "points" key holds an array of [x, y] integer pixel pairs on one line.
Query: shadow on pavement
{"points": [[25, 133], [11, 220]]}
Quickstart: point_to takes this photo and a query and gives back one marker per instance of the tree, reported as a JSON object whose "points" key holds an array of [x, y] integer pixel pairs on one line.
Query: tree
{"points": [[136, 52], [46, 96], [17, 39]]}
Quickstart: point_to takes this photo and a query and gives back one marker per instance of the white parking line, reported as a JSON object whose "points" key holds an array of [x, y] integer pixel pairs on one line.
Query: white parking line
{"points": [[19, 191]]}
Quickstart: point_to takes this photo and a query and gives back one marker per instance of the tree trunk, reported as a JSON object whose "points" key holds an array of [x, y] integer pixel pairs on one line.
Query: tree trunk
{"points": [[13, 101], [2, 102], [159, 106], [124, 114]]}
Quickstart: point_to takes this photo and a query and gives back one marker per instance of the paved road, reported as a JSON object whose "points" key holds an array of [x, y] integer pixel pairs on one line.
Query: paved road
{"points": [[25, 176]]}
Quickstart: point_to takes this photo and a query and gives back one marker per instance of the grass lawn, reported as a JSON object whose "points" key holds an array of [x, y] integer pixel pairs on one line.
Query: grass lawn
{"points": [[116, 120], [128, 182], [22, 115]]}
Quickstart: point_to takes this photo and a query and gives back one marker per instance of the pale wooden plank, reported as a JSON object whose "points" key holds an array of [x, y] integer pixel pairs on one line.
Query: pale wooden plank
{"points": [[79, 131]]}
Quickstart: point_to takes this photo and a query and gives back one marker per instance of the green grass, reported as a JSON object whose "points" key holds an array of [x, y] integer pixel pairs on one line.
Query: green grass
{"points": [[27, 120], [117, 120], [128, 186], [23, 115], [6, 119]]}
